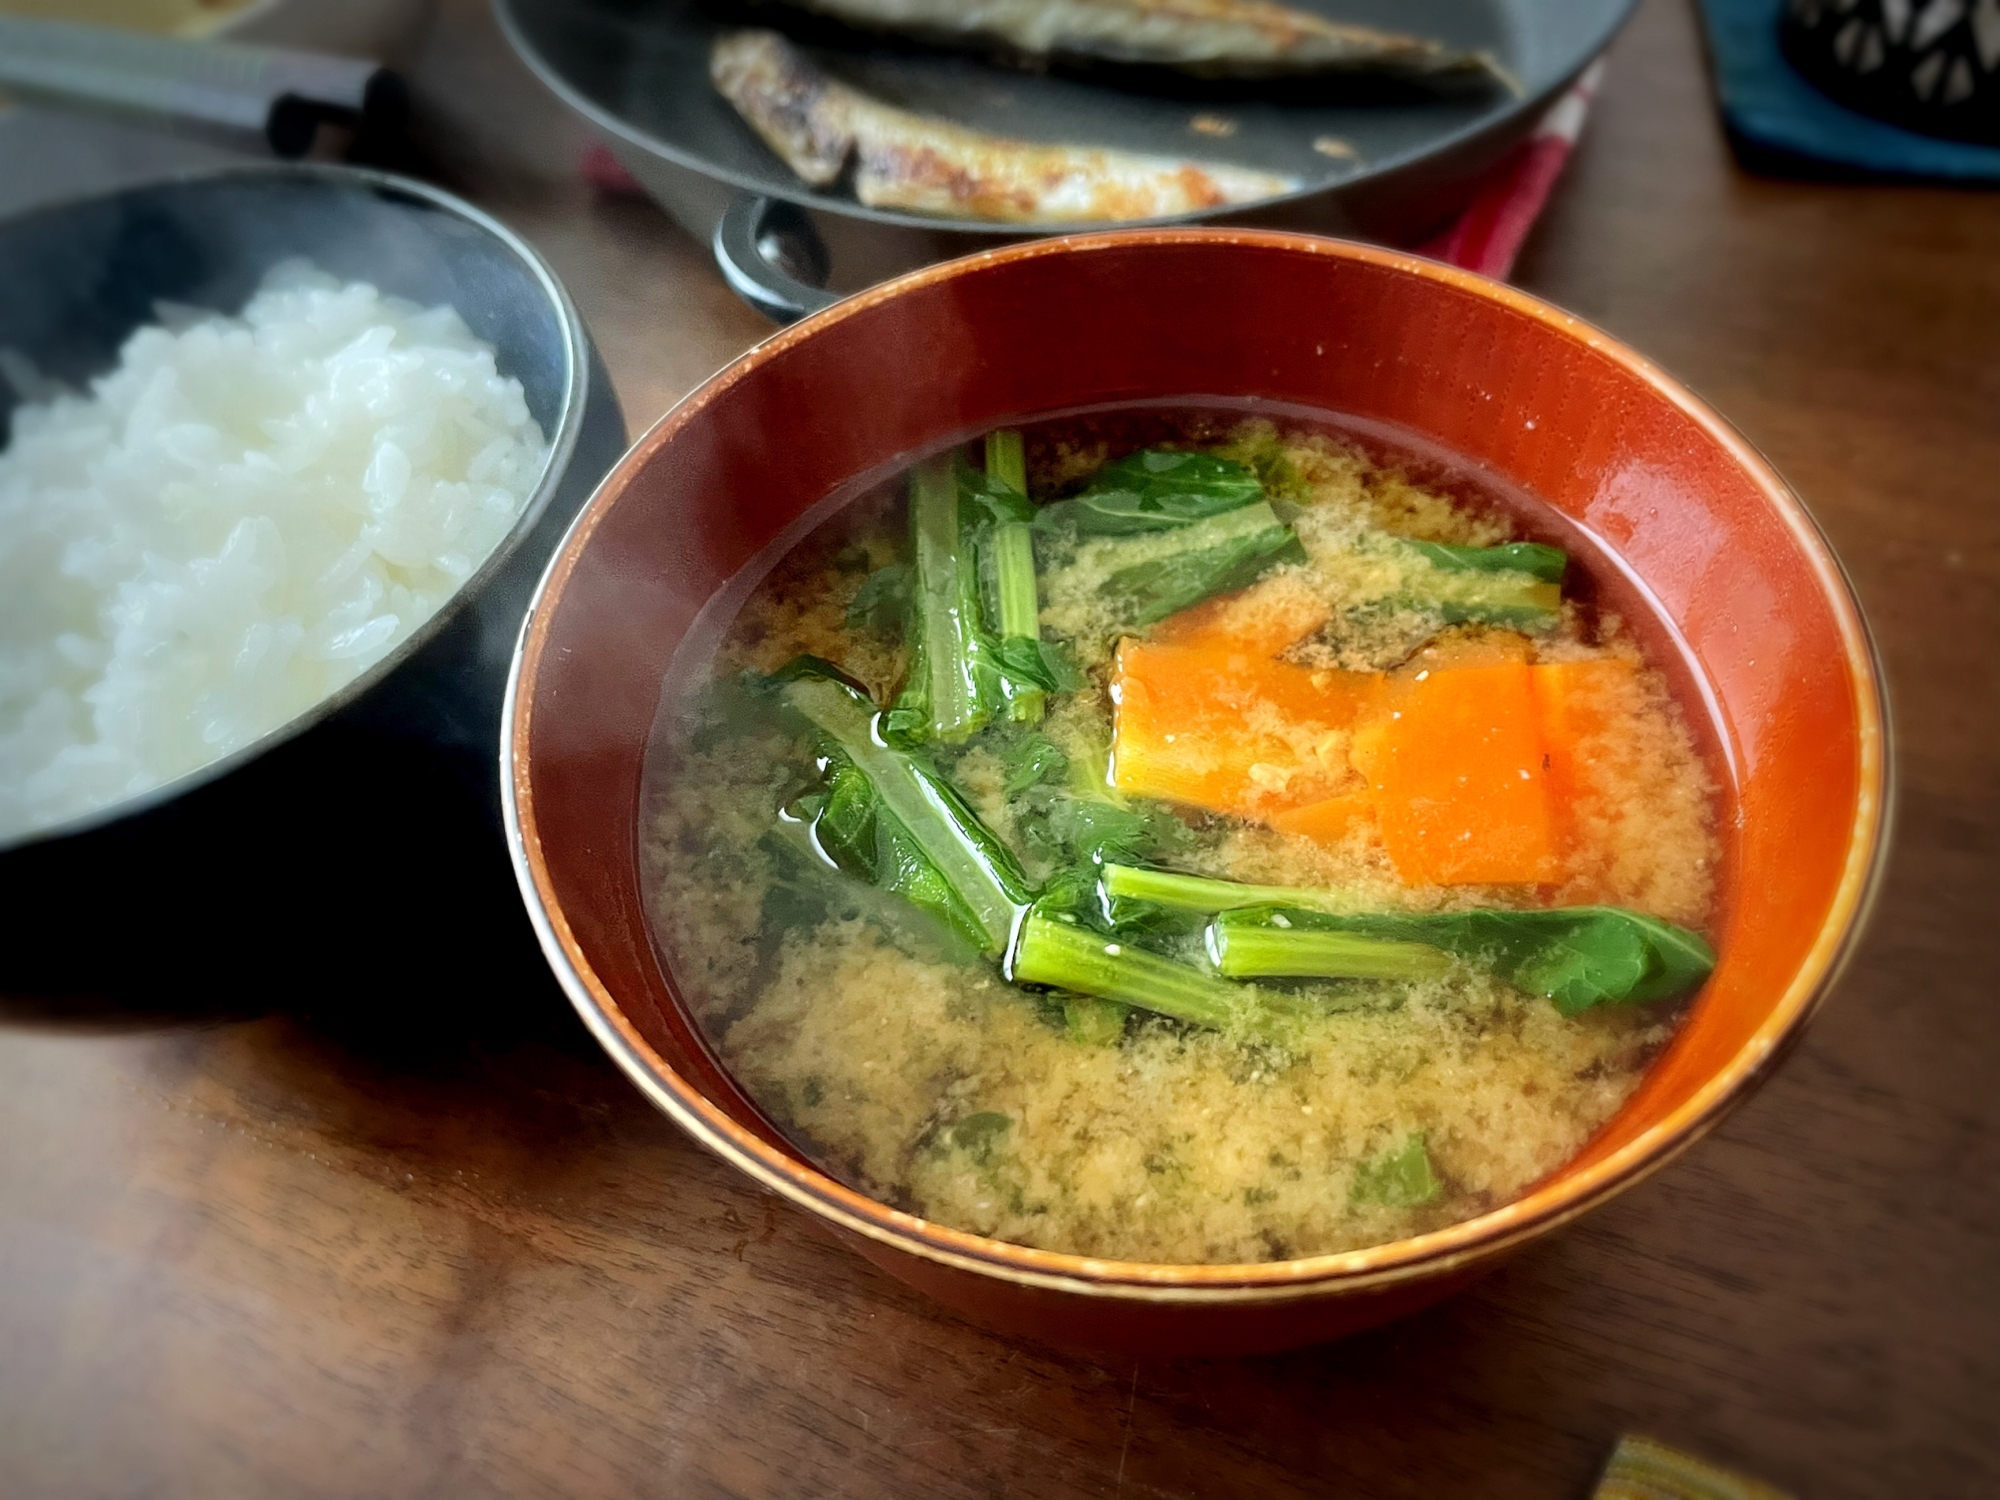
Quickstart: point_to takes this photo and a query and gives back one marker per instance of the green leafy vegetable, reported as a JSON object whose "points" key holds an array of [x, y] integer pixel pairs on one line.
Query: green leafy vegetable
{"points": [[1274, 947], [1033, 760], [882, 601], [1156, 489], [1007, 460], [1517, 585], [1093, 1022], [886, 815], [1533, 558], [978, 1136], [1577, 956], [952, 686], [1196, 524], [1259, 445], [973, 620], [807, 889], [1398, 1178], [1201, 894], [1007, 571], [1211, 556], [1085, 831], [1070, 956], [1045, 666]]}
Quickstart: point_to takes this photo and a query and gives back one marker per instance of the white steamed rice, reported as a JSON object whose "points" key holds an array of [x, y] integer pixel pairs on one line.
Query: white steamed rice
{"points": [[243, 516]]}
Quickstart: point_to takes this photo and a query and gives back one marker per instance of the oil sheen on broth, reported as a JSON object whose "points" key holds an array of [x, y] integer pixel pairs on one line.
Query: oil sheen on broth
{"points": [[1260, 850]]}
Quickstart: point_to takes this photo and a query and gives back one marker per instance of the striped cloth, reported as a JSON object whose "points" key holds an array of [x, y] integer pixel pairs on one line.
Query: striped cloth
{"points": [[1490, 233]]}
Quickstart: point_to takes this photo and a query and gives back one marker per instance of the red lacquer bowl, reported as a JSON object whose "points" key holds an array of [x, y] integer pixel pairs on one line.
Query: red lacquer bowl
{"points": [[1719, 560]]}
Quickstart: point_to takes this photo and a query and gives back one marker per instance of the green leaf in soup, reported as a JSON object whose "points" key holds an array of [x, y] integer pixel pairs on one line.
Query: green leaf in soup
{"points": [[1060, 667], [1030, 663], [1263, 943], [897, 822], [812, 886], [1537, 560], [1205, 894], [1576, 956], [973, 619], [1517, 586], [1260, 446], [843, 816], [951, 689], [996, 504], [1078, 894], [979, 1136], [1225, 552], [1616, 955], [1007, 458], [1089, 831], [1400, 1177], [883, 600], [1034, 759], [849, 829], [1094, 1022], [989, 498], [1069, 955], [1156, 489]]}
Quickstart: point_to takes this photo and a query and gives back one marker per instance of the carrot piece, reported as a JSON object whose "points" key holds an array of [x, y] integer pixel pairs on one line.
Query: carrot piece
{"points": [[1576, 703], [1261, 620], [1228, 730], [1328, 821], [1483, 648], [1460, 789]]}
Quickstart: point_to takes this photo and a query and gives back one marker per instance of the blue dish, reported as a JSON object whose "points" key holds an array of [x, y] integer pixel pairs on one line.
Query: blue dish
{"points": [[1779, 122]]}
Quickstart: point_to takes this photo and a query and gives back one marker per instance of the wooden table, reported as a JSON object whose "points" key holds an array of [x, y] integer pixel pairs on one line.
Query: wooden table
{"points": [[432, 1244]]}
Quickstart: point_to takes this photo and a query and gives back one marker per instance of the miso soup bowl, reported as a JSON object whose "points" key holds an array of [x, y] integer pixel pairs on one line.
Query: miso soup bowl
{"points": [[1715, 557]]}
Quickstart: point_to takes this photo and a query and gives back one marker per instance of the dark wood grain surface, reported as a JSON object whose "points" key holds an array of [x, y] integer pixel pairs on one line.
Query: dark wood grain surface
{"points": [[266, 1236]]}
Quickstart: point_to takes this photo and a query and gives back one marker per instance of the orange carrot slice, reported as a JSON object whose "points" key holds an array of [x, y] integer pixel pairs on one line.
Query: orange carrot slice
{"points": [[1261, 620], [1576, 703], [1456, 769], [1329, 821], [1231, 731]]}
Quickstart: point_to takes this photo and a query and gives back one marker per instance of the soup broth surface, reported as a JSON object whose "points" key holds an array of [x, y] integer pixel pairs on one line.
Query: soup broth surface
{"points": [[902, 1060]]}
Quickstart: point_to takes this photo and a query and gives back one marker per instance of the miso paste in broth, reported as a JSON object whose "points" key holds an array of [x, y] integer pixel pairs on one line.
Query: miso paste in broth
{"points": [[1181, 836]]}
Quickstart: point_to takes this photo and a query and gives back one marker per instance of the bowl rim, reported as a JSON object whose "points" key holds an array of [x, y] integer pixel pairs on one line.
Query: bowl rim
{"points": [[1424, 1256], [576, 396]]}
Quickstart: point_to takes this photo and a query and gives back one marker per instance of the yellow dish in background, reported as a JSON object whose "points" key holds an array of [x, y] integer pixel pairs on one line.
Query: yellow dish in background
{"points": [[163, 17], [388, 30]]}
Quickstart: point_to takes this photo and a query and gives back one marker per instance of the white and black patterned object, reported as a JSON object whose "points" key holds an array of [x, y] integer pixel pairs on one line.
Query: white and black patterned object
{"points": [[1927, 65]]}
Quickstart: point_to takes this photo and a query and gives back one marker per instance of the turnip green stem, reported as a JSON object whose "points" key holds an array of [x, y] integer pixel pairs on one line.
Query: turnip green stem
{"points": [[946, 602], [1199, 893], [1011, 548], [1073, 957], [978, 869], [1260, 952]]}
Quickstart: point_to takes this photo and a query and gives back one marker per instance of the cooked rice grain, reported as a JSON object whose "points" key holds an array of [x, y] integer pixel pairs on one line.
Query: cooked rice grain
{"points": [[242, 517]]}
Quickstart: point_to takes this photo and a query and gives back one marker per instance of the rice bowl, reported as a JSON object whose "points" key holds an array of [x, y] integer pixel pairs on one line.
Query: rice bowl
{"points": [[238, 521], [77, 279]]}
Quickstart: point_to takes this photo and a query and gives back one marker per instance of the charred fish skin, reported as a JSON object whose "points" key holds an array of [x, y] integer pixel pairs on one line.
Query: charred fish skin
{"points": [[903, 160], [1210, 38], [791, 104], [927, 166]]}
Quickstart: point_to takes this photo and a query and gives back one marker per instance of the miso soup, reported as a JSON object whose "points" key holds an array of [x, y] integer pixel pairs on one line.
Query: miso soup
{"points": [[1181, 836]]}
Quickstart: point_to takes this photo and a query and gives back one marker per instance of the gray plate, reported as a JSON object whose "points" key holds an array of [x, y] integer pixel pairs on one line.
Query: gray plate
{"points": [[639, 70]]}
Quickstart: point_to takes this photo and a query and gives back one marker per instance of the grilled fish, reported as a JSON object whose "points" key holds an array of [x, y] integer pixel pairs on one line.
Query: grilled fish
{"points": [[917, 162], [1216, 38]]}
